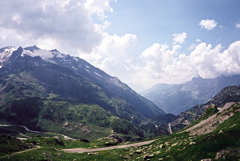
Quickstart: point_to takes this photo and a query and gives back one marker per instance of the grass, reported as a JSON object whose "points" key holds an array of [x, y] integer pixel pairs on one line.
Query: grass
{"points": [[233, 123], [178, 146], [174, 147], [209, 112]]}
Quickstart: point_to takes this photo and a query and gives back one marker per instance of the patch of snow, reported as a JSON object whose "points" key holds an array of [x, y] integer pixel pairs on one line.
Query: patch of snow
{"points": [[74, 68], [76, 58], [44, 54], [118, 83], [60, 55], [97, 74], [27, 52], [73, 77], [51, 61], [5, 55]]}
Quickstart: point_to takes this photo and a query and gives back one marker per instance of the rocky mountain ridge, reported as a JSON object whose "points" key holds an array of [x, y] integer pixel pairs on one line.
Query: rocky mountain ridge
{"points": [[180, 97], [211, 136], [226, 95], [49, 90]]}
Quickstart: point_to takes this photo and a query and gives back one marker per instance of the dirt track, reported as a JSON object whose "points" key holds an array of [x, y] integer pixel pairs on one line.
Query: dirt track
{"points": [[81, 150], [226, 106], [19, 152]]}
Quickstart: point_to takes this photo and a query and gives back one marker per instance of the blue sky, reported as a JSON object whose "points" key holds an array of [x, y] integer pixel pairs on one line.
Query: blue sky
{"points": [[142, 42], [156, 20]]}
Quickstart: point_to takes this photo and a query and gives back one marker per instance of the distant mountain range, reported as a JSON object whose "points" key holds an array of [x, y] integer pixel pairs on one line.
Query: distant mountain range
{"points": [[226, 95], [52, 91], [213, 136], [180, 97]]}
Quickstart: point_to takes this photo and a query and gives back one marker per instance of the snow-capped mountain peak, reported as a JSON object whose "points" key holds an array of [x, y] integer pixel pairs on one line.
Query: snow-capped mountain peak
{"points": [[79, 68], [33, 51], [5, 54]]}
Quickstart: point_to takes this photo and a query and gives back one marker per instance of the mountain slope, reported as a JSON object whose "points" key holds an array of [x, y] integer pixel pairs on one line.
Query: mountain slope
{"points": [[178, 98], [228, 94], [112, 84], [82, 68], [215, 136], [221, 144], [46, 95]]}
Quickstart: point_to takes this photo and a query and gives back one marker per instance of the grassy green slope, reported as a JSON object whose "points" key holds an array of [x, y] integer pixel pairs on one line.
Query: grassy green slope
{"points": [[48, 97], [228, 94], [224, 140]]}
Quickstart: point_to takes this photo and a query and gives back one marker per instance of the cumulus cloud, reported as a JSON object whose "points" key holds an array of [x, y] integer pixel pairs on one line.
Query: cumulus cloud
{"points": [[98, 7], [162, 63], [61, 22], [166, 64], [115, 55], [238, 25], [208, 24], [179, 38], [65, 24]]}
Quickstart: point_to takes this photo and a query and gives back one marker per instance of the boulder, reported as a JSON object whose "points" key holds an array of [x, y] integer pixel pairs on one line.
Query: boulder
{"points": [[66, 124], [138, 152], [147, 157]]}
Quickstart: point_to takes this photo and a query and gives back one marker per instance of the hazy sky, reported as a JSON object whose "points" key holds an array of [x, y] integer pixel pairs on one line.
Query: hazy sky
{"points": [[140, 41]]}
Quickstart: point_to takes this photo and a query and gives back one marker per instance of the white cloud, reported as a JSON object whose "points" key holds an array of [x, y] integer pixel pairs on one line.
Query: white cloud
{"points": [[98, 7], [208, 24], [158, 57], [164, 64], [68, 23], [161, 63], [167, 65], [115, 55], [179, 38], [238, 25], [198, 40]]}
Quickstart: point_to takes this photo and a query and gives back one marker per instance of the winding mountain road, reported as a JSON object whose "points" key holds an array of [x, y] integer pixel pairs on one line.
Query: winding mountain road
{"points": [[81, 150], [19, 152], [170, 128], [32, 131], [226, 106]]}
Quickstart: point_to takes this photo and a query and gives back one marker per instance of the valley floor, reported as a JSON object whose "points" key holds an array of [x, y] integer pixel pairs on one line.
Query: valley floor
{"points": [[222, 143]]}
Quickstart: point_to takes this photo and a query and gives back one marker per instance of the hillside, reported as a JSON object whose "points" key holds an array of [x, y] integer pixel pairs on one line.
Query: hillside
{"points": [[70, 97], [181, 97], [215, 137], [219, 143], [228, 94], [63, 102]]}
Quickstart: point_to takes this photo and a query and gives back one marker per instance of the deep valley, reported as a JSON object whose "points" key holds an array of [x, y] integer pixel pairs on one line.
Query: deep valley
{"points": [[57, 107]]}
